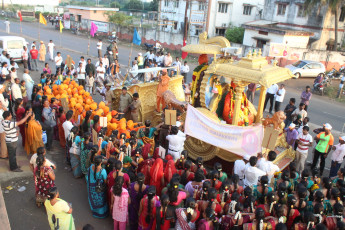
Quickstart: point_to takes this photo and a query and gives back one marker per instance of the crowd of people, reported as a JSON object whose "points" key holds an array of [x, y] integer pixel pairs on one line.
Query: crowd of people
{"points": [[144, 179]]}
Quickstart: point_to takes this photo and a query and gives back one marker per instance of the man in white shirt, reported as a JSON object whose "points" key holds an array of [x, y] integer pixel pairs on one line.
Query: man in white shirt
{"points": [[7, 23], [151, 56], [337, 157], [67, 125], [100, 71], [279, 97], [4, 70], [270, 93], [299, 111], [252, 173], [51, 46], [13, 73], [99, 48], [82, 60], [105, 62], [134, 70], [240, 166], [58, 60], [185, 71], [177, 63], [268, 166], [16, 92], [304, 141], [81, 74], [176, 143]]}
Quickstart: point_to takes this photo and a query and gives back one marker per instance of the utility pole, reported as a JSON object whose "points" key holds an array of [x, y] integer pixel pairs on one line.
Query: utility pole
{"points": [[186, 21]]}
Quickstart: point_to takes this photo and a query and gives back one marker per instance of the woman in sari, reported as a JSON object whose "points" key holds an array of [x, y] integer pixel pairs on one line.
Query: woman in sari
{"points": [[44, 180], [187, 217], [37, 104], [47, 68], [97, 200], [157, 175], [147, 135], [33, 135], [169, 171], [84, 153], [60, 120], [137, 190], [42, 52], [20, 114], [147, 210], [75, 151], [111, 179], [210, 220], [60, 209]]}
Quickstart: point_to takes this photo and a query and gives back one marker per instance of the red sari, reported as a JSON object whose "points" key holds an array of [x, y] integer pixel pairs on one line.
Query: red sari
{"points": [[20, 113], [144, 168], [142, 222], [331, 223], [169, 171], [156, 175], [292, 218], [60, 121]]}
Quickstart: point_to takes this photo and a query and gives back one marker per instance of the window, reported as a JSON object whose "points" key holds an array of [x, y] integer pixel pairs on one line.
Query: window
{"points": [[220, 32], [263, 32], [247, 10], [281, 9], [223, 7], [177, 3], [15, 44], [342, 14], [202, 6], [166, 3], [301, 11], [175, 25]]}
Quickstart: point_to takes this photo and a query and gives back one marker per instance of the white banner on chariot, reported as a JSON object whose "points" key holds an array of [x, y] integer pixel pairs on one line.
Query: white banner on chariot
{"points": [[235, 139]]}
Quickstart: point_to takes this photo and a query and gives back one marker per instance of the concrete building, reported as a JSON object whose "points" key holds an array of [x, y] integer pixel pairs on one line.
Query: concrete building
{"points": [[81, 17], [260, 33], [89, 13], [214, 16], [291, 15]]}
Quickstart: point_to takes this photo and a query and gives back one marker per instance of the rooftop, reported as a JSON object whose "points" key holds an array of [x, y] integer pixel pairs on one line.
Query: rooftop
{"points": [[92, 8], [273, 27]]}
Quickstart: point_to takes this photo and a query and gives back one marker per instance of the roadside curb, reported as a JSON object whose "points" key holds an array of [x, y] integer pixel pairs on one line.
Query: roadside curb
{"points": [[4, 221]]}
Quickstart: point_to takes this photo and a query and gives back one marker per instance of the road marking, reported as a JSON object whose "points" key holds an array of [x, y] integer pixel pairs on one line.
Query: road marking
{"points": [[334, 115]]}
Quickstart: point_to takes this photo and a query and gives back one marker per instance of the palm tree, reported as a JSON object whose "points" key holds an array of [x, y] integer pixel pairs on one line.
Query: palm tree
{"points": [[333, 6]]}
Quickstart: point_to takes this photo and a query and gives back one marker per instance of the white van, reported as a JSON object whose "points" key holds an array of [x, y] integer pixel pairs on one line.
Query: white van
{"points": [[13, 45]]}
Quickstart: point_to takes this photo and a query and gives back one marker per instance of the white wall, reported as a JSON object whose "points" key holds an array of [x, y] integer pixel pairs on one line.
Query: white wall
{"points": [[249, 34], [237, 16], [32, 2], [296, 41]]}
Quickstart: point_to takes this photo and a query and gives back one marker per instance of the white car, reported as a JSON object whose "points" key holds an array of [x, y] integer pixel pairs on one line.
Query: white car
{"points": [[304, 68], [13, 45]]}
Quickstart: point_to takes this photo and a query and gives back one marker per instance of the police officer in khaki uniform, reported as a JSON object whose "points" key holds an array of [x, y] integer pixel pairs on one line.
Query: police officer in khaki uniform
{"points": [[135, 107]]}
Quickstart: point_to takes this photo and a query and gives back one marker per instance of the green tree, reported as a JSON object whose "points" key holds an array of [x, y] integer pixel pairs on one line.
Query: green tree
{"points": [[115, 5], [154, 5], [134, 5], [235, 34], [118, 18], [333, 6]]}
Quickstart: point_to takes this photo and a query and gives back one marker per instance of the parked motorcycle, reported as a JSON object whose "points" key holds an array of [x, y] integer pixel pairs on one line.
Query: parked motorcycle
{"points": [[335, 74], [157, 48]]}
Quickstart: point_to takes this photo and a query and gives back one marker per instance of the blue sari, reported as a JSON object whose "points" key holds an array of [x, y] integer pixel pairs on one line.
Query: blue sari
{"points": [[98, 201]]}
